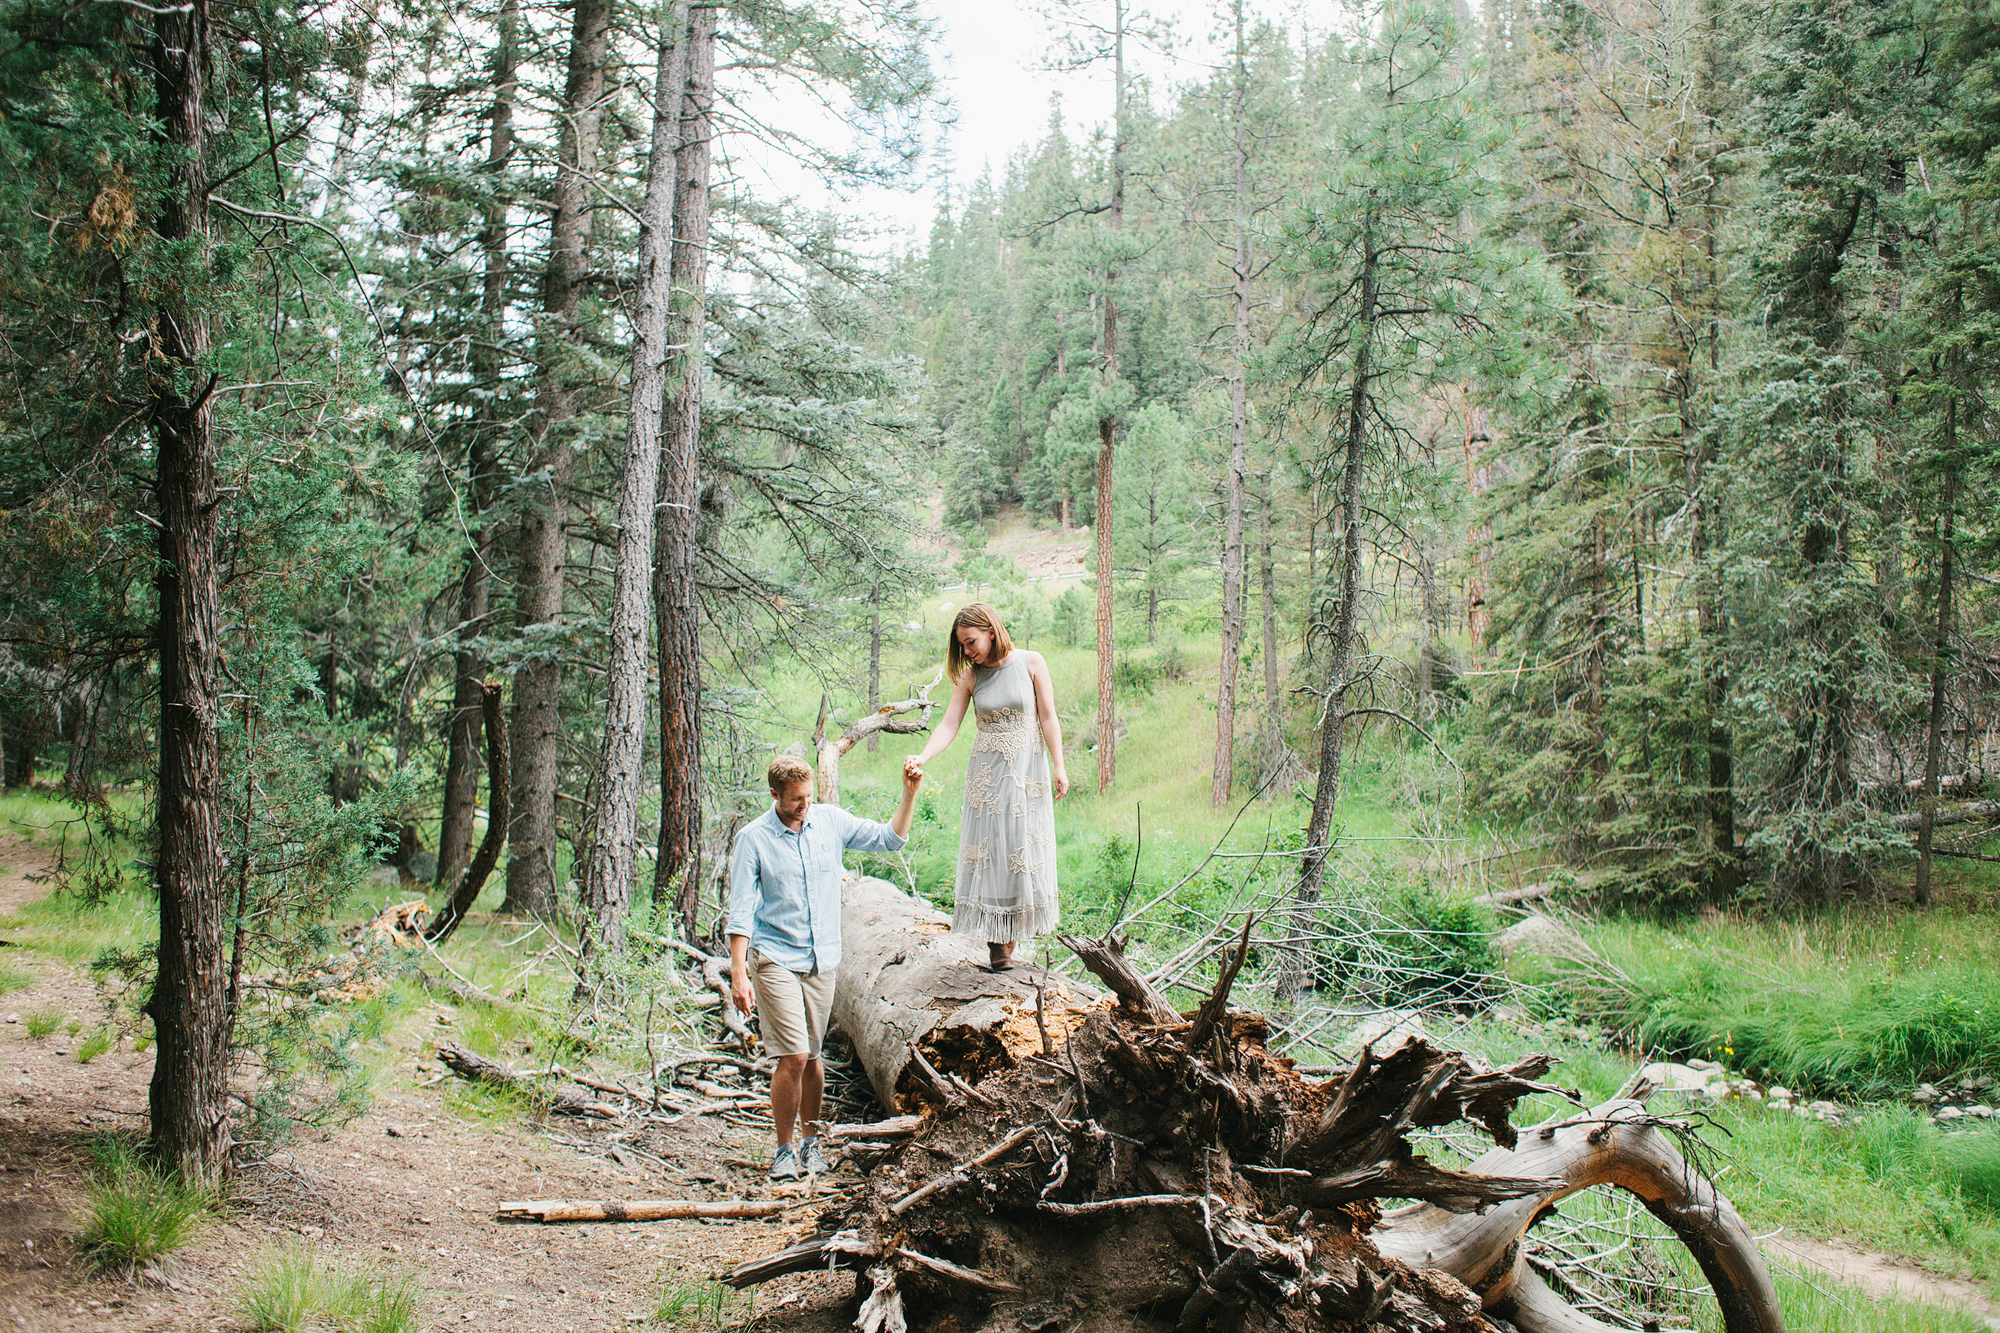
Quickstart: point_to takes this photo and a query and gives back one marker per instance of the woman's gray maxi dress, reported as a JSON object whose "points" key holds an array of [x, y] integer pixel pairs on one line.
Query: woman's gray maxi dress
{"points": [[1007, 837]]}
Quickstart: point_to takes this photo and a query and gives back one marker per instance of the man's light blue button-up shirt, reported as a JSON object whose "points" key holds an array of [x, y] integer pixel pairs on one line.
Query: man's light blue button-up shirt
{"points": [[784, 887]]}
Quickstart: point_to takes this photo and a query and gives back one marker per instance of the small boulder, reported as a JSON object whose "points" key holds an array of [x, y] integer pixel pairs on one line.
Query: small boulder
{"points": [[1948, 1113], [1980, 1112], [1388, 1031], [1669, 1077], [1542, 937], [1710, 1066], [1924, 1095]]}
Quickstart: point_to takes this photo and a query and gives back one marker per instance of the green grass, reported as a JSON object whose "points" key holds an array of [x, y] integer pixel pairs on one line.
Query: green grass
{"points": [[15, 978], [138, 1213], [698, 1305], [72, 930], [1813, 1303], [96, 1044], [293, 1290], [1863, 1003], [43, 1021]]}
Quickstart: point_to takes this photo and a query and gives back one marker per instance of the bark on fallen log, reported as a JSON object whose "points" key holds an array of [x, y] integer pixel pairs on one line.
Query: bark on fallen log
{"points": [[1614, 1144], [633, 1210], [1138, 1178], [906, 979]]}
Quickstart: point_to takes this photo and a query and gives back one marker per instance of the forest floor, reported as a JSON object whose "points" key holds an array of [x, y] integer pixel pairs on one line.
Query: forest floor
{"points": [[411, 1186]]}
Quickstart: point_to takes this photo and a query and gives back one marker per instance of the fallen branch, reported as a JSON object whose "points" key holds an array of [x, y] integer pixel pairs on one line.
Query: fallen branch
{"points": [[1116, 1205], [957, 1176], [477, 1068], [633, 1210], [886, 718]]}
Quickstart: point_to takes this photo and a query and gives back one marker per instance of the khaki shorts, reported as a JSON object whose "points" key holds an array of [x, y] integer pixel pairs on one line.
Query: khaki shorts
{"points": [[792, 1007]]}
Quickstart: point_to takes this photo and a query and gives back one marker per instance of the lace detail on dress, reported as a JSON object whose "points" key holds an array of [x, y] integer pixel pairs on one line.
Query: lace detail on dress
{"points": [[982, 791], [1007, 731]]}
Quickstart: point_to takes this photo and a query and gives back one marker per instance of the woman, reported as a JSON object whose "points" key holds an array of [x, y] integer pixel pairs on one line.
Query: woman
{"points": [[1007, 835]]}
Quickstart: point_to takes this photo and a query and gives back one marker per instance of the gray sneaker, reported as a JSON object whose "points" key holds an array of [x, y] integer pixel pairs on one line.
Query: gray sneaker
{"points": [[812, 1159], [785, 1164]]}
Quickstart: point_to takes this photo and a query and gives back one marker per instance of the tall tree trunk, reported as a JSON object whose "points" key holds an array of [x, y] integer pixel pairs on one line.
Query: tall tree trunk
{"points": [[1107, 427], [678, 866], [614, 853], [874, 660], [542, 549], [1600, 632], [1431, 611], [1223, 776], [189, 1097], [1479, 534], [1346, 627], [461, 767], [1940, 662], [1267, 577], [79, 783]]}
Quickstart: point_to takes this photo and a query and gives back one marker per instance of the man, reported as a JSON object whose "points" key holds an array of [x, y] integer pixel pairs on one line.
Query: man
{"points": [[784, 904]]}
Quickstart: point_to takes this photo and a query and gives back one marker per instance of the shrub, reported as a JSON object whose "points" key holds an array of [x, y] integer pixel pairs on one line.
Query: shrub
{"points": [[138, 1213], [292, 1289]]}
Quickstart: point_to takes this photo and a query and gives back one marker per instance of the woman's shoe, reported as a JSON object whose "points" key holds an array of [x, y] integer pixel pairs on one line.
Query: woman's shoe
{"points": [[1000, 957]]}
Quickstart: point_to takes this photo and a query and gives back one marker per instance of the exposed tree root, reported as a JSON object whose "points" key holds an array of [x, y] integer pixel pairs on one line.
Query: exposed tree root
{"points": [[1153, 1171]]}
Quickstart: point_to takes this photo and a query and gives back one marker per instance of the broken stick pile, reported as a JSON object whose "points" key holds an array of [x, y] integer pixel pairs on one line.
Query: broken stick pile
{"points": [[1158, 1170]]}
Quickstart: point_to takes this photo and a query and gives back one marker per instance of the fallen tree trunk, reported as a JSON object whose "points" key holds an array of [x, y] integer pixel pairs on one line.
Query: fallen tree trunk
{"points": [[1142, 1170], [910, 994], [1968, 813]]}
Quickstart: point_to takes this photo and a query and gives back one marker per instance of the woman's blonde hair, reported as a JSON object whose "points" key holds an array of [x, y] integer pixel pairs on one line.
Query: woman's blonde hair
{"points": [[974, 615]]}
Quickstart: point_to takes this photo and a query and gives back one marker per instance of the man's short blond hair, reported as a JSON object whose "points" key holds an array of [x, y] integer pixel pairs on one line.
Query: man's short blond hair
{"points": [[787, 771]]}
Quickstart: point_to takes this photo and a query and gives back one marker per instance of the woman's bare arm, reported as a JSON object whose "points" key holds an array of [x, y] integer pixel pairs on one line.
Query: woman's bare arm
{"points": [[1045, 713], [947, 729]]}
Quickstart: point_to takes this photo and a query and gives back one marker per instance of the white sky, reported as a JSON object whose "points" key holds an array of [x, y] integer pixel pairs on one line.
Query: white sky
{"points": [[989, 61]]}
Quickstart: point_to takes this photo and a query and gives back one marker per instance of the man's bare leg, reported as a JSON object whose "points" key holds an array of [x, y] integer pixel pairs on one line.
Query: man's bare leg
{"points": [[796, 1091]]}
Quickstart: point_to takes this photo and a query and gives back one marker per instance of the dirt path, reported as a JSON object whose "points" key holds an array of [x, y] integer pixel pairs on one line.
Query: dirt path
{"points": [[1881, 1275], [411, 1186]]}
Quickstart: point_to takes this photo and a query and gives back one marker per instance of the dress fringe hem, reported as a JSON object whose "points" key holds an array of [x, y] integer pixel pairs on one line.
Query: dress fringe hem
{"points": [[997, 925]]}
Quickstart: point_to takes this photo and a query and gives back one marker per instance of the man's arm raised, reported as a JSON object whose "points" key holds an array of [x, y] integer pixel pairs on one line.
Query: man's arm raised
{"points": [[912, 779]]}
